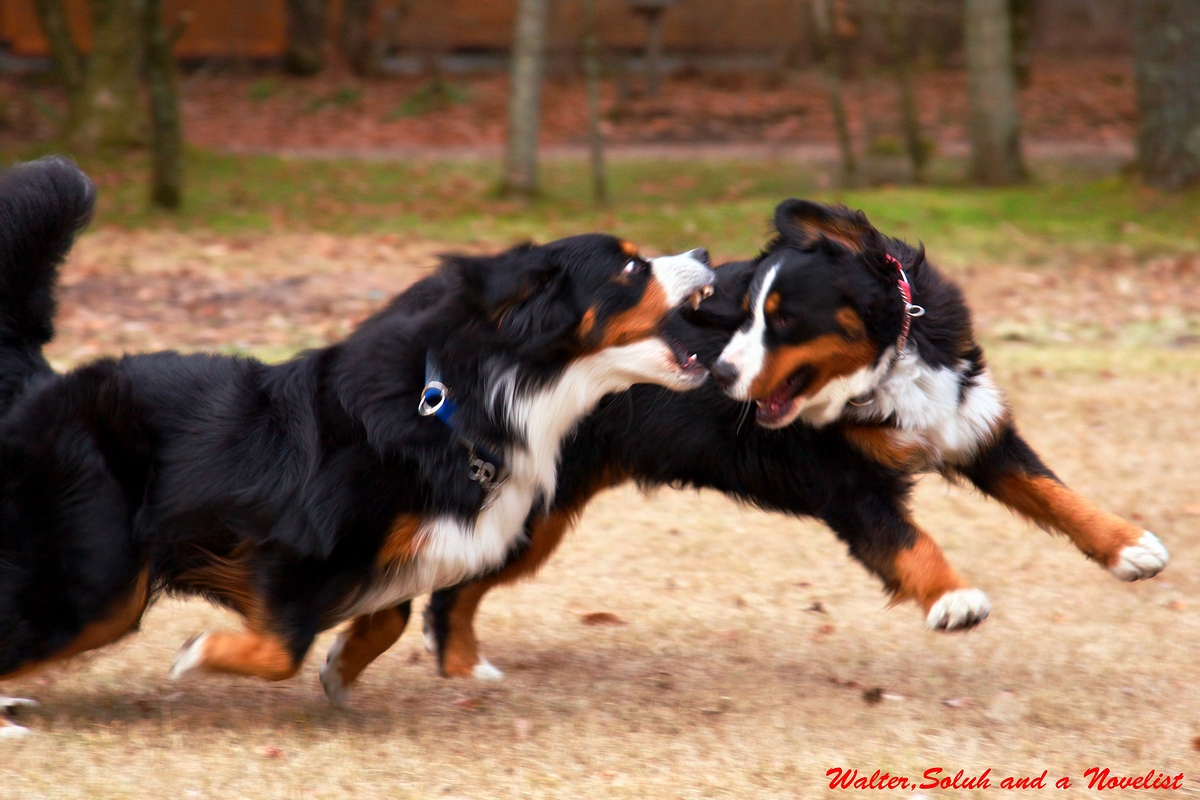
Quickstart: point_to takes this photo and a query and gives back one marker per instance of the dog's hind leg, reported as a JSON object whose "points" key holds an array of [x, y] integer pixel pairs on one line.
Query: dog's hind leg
{"points": [[909, 562], [366, 638], [122, 618], [257, 654], [1011, 472], [9, 706]]}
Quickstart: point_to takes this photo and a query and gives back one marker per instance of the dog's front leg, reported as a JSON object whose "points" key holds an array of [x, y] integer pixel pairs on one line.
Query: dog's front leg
{"points": [[365, 639], [912, 566], [450, 615], [1011, 472]]}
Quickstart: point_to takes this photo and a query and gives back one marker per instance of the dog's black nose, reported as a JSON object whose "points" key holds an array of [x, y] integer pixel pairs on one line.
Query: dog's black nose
{"points": [[701, 255], [724, 374]]}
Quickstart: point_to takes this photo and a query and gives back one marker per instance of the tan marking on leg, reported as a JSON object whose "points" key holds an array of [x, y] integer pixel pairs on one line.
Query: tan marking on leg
{"points": [[923, 573], [259, 655], [1100, 534], [882, 445], [400, 544], [123, 618], [369, 637], [460, 652]]}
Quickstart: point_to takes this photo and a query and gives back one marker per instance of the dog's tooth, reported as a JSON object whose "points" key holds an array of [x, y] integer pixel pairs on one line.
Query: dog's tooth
{"points": [[759, 403]]}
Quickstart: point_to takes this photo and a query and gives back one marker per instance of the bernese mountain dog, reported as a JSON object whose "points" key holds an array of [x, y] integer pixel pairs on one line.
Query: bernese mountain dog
{"points": [[848, 365], [330, 488]]}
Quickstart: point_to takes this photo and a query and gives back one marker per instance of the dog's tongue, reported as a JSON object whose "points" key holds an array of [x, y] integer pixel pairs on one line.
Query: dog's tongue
{"points": [[775, 406]]}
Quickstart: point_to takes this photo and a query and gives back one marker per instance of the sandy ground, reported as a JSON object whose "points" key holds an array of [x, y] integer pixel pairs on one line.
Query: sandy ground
{"points": [[752, 645]]}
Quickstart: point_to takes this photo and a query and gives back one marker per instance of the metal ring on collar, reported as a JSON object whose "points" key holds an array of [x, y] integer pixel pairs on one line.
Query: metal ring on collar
{"points": [[438, 392]]}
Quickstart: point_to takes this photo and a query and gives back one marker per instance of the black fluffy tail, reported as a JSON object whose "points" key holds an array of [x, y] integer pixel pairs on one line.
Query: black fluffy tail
{"points": [[43, 205]]}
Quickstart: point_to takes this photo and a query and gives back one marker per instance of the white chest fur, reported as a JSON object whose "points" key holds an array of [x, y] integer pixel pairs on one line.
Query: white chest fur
{"points": [[932, 411], [450, 549]]}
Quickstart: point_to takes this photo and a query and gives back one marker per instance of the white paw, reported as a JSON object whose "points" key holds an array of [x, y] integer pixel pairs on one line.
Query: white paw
{"points": [[958, 610], [11, 731], [13, 703], [331, 674], [1145, 559], [189, 656], [484, 671]]}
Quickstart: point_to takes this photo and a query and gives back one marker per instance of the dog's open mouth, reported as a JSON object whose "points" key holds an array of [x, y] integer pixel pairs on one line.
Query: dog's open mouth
{"points": [[777, 406], [687, 361]]}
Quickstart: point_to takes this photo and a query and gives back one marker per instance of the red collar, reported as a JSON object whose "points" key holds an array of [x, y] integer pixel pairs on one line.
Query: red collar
{"points": [[910, 310]]}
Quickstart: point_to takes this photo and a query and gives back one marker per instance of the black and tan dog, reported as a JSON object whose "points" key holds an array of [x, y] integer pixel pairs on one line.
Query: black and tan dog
{"points": [[330, 488], [859, 364]]}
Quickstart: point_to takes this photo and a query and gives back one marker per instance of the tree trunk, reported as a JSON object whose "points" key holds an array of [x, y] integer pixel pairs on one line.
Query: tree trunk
{"points": [[529, 50], [833, 71], [306, 37], [1167, 38], [591, 70], [109, 114], [356, 35], [899, 32], [995, 125], [1021, 13], [162, 77], [68, 62]]}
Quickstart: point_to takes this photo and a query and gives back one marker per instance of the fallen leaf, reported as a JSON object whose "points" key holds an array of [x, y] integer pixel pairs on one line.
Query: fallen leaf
{"points": [[1177, 605], [1196, 743], [271, 751], [873, 696], [826, 629], [958, 702], [466, 704], [601, 618], [1192, 508], [522, 728]]}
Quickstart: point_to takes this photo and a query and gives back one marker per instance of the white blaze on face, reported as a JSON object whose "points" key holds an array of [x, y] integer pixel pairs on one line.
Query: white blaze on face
{"points": [[747, 350], [681, 276]]}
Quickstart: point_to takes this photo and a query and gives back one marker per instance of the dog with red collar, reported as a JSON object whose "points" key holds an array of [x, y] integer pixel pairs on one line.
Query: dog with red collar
{"points": [[858, 362]]}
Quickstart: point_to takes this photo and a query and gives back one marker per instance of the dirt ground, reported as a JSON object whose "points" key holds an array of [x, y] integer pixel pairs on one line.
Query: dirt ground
{"points": [[1086, 101], [754, 654]]}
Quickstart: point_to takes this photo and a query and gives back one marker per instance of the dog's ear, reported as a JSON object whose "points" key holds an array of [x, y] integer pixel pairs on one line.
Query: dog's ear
{"points": [[500, 283], [804, 224]]}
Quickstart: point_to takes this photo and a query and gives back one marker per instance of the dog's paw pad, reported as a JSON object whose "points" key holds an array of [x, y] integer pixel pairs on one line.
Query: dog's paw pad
{"points": [[189, 657], [958, 610], [1141, 560], [484, 671]]}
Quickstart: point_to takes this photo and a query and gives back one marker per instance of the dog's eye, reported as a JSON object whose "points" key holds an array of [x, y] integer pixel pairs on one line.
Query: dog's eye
{"points": [[634, 267]]}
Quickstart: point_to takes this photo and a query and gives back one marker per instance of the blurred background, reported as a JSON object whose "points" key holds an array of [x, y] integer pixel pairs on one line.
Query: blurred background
{"points": [[272, 171]]}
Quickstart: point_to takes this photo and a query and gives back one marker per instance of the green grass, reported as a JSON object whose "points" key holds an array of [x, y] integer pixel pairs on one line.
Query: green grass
{"points": [[662, 205]]}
